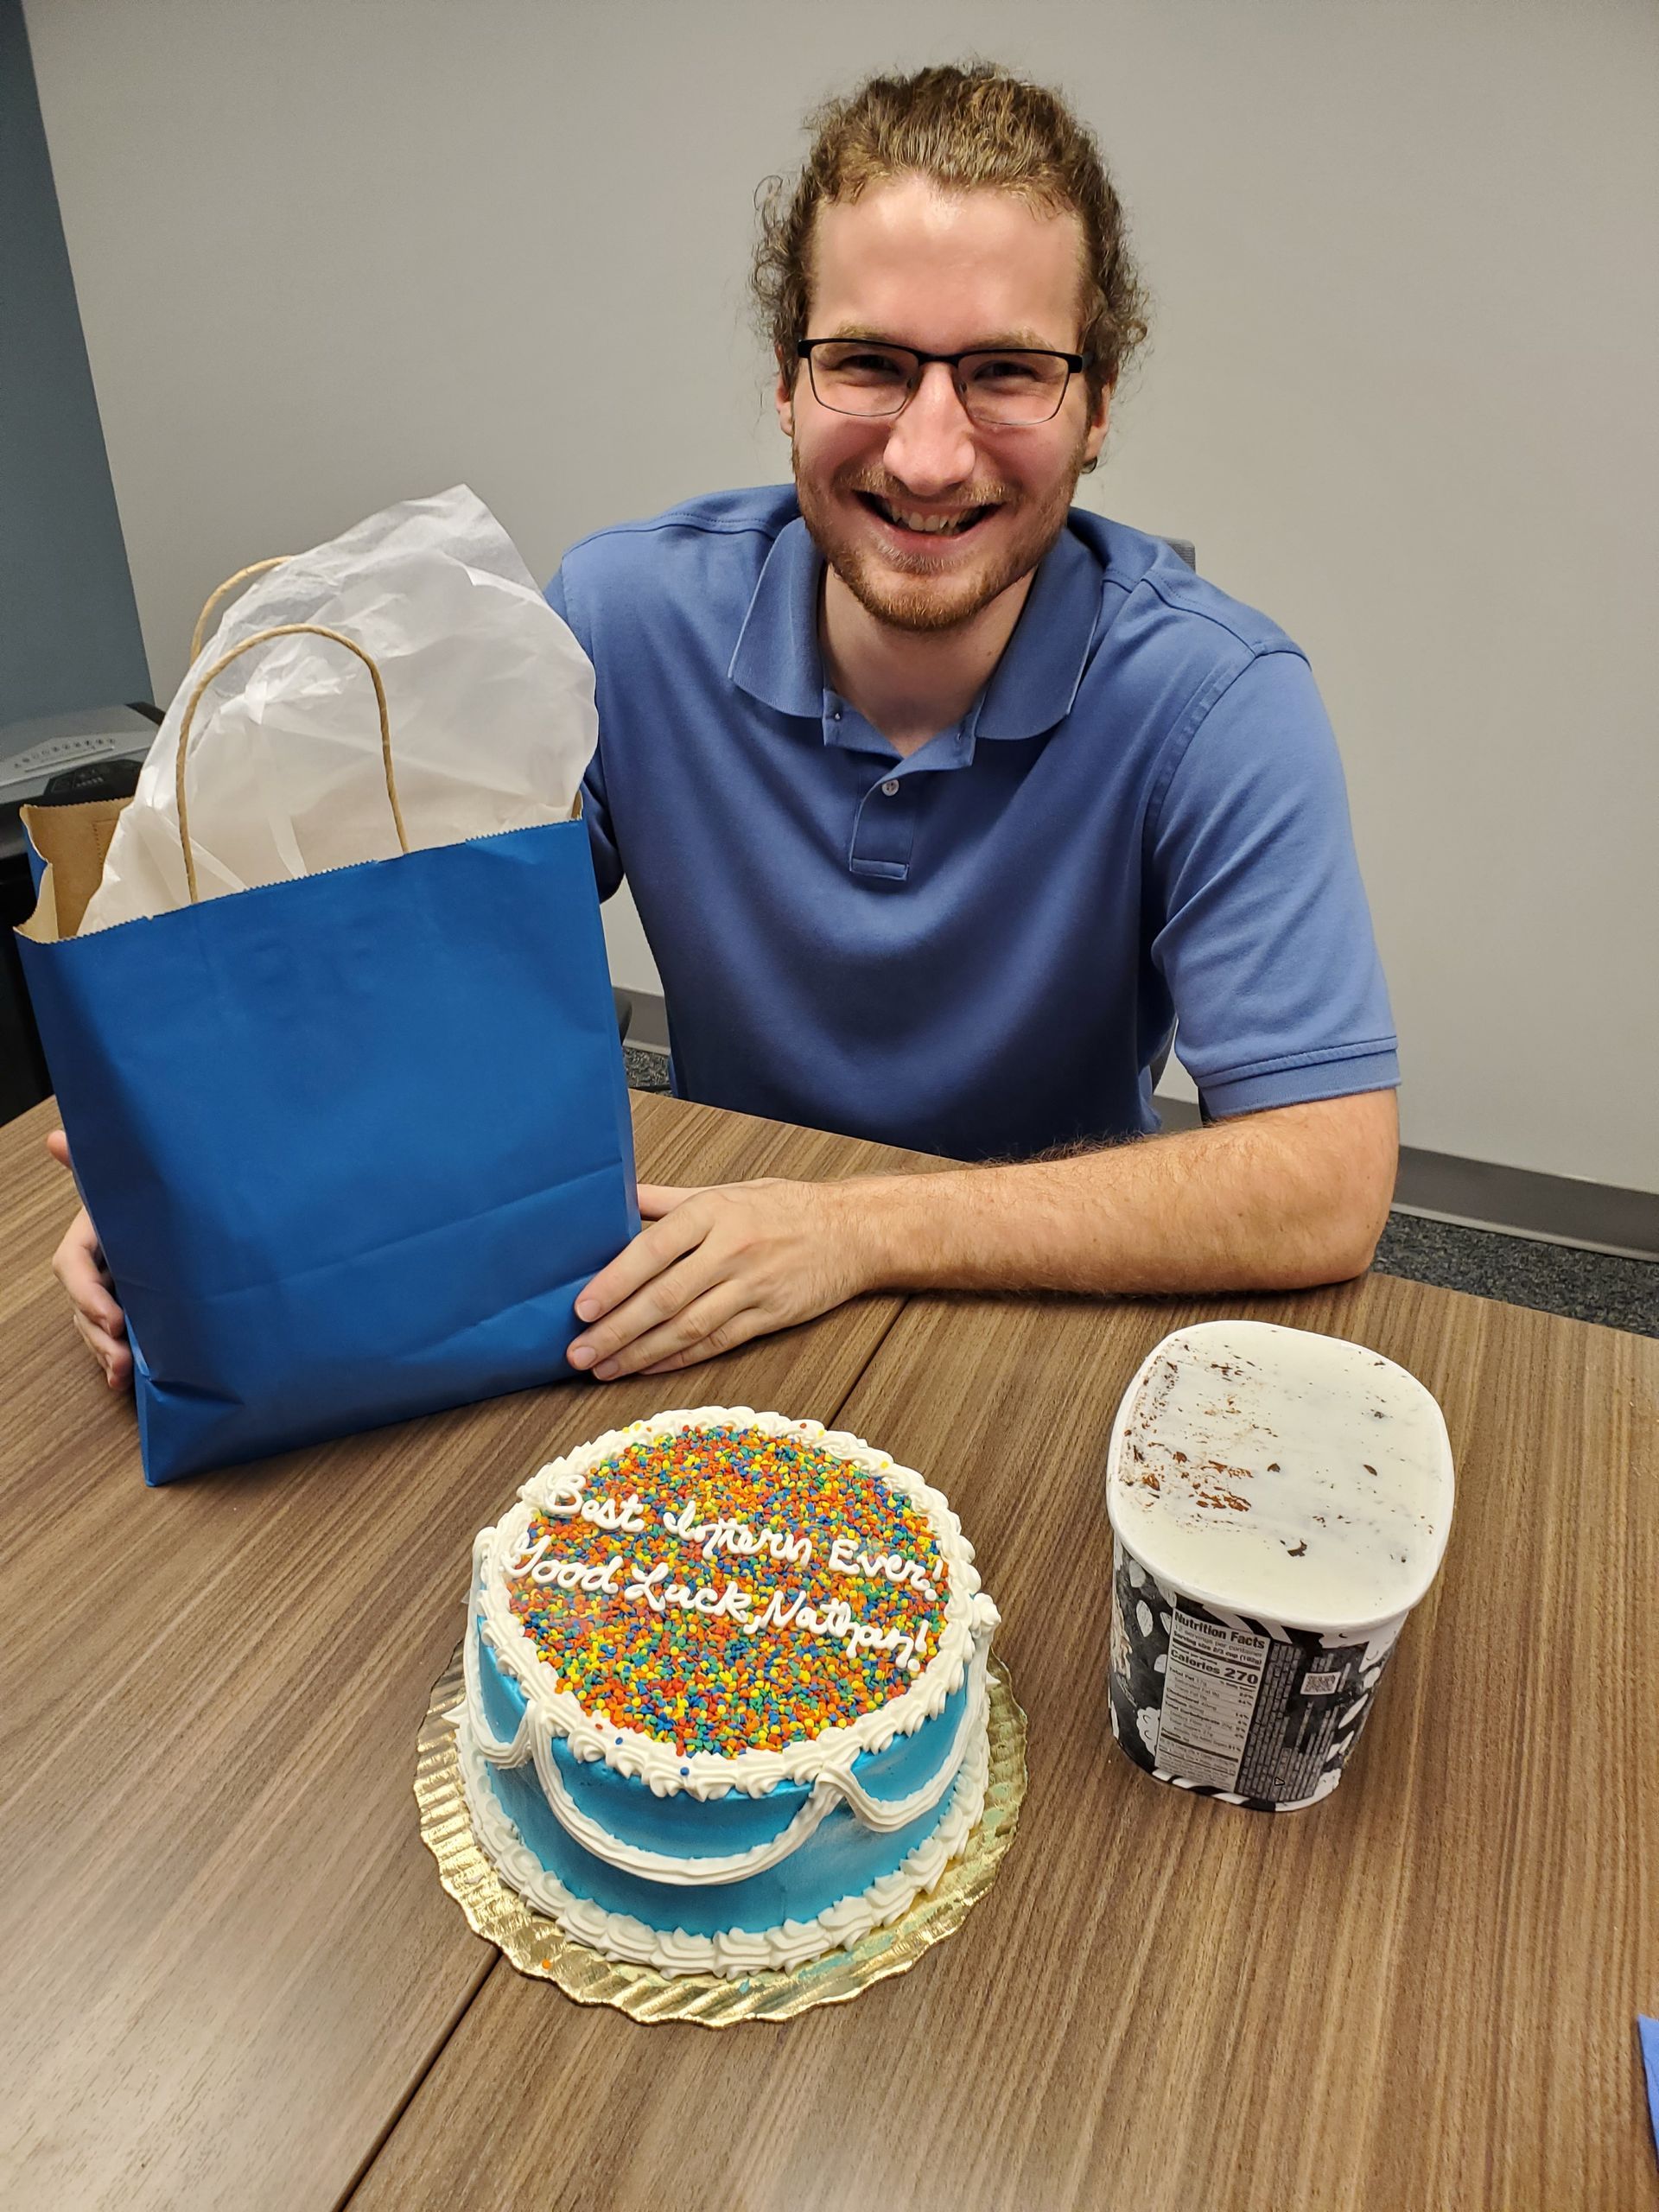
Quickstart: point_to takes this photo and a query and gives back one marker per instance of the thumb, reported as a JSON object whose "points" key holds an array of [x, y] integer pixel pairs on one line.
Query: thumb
{"points": [[58, 1145]]}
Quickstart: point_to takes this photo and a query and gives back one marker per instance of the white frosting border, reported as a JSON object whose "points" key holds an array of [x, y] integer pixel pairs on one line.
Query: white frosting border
{"points": [[969, 1618], [735, 1951]]}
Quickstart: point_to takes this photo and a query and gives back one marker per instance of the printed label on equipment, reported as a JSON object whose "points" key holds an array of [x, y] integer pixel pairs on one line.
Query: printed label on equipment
{"points": [[1210, 1693]]}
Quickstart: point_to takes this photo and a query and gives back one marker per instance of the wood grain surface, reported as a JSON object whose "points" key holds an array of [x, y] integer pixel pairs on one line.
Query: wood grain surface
{"points": [[233, 1980], [1420, 1994], [228, 1958]]}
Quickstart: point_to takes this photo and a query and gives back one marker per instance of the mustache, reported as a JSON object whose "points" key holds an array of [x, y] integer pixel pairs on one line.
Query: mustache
{"points": [[880, 486]]}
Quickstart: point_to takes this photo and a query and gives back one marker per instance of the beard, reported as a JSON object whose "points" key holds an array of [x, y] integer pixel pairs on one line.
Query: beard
{"points": [[912, 591]]}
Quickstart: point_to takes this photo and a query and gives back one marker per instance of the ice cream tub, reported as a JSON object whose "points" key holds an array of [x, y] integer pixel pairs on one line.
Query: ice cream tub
{"points": [[1279, 1503]]}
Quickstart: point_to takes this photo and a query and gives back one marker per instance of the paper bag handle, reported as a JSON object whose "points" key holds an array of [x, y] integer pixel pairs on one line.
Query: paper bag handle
{"points": [[261, 637], [200, 633]]}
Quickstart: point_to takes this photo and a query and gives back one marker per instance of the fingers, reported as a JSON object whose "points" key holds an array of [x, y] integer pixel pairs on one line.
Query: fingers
{"points": [[737, 1331], [697, 1319], [78, 1264], [655, 1305], [111, 1352], [658, 1198], [651, 1251]]}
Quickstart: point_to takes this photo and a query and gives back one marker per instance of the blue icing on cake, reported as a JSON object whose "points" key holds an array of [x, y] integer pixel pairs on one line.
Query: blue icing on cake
{"points": [[625, 1805], [751, 1859], [838, 1860]]}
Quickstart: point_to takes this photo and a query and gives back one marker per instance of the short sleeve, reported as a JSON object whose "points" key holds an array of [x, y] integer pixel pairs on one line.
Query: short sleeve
{"points": [[595, 807], [1263, 935]]}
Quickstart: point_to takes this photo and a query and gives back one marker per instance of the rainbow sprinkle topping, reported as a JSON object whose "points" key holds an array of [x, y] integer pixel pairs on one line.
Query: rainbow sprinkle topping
{"points": [[723, 1590]]}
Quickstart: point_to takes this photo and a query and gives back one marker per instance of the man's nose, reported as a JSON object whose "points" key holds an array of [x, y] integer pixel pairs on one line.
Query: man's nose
{"points": [[930, 446]]}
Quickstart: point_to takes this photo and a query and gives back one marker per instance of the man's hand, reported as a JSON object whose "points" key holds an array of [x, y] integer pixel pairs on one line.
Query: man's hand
{"points": [[78, 1265], [716, 1266]]}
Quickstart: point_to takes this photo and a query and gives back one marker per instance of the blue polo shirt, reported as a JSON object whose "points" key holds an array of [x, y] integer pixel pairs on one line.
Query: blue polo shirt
{"points": [[983, 950]]}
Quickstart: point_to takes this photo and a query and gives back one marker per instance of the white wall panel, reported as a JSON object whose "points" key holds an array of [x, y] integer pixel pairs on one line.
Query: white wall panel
{"points": [[1401, 389]]}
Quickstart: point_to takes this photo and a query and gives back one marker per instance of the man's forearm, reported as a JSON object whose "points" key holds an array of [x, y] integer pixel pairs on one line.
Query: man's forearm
{"points": [[1272, 1201]]}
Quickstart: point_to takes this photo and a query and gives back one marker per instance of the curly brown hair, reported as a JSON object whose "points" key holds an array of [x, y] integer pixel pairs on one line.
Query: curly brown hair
{"points": [[965, 127]]}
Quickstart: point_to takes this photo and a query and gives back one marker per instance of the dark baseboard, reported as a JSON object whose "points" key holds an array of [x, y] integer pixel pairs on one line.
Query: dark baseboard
{"points": [[1439, 1185]]}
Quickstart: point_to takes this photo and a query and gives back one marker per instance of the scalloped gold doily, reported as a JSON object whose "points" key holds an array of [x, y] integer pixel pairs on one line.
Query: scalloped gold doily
{"points": [[537, 1945]]}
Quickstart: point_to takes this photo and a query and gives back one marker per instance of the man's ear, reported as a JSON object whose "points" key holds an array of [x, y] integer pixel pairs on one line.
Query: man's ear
{"points": [[784, 395], [1100, 415]]}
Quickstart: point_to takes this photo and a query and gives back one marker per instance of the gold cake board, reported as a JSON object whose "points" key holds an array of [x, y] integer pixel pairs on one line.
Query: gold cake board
{"points": [[539, 1946]]}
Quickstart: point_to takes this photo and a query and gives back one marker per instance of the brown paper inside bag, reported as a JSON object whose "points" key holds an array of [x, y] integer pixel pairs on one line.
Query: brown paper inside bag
{"points": [[73, 841]]}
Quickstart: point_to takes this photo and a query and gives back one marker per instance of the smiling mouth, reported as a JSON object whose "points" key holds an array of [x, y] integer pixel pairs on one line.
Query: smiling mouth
{"points": [[957, 524]]}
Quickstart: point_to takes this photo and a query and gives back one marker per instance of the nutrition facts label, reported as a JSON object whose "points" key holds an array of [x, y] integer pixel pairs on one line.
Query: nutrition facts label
{"points": [[1256, 1715], [1213, 1677]]}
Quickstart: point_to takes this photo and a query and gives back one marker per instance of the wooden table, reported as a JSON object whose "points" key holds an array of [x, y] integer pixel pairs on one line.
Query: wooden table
{"points": [[232, 1978]]}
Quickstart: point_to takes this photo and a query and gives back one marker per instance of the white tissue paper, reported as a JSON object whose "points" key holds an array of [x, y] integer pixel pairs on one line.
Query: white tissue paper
{"points": [[490, 701]]}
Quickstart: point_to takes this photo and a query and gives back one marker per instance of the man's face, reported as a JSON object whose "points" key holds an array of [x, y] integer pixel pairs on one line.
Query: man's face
{"points": [[941, 272]]}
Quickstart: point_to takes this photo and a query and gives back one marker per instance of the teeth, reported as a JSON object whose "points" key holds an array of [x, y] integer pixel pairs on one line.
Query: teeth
{"points": [[933, 524]]}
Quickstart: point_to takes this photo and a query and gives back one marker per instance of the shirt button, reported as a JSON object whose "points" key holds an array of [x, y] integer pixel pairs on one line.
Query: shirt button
{"points": [[890, 790]]}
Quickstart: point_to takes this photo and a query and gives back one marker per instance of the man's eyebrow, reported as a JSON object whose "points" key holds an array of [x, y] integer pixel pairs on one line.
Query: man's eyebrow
{"points": [[1023, 342]]}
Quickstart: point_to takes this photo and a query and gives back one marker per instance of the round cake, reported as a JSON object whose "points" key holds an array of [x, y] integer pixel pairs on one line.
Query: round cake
{"points": [[726, 1691]]}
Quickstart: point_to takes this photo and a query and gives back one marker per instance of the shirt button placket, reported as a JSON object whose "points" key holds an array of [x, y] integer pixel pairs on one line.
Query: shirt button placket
{"points": [[882, 834]]}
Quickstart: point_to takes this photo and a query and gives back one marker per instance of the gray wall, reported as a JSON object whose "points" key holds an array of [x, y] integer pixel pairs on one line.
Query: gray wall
{"points": [[1401, 392], [69, 633]]}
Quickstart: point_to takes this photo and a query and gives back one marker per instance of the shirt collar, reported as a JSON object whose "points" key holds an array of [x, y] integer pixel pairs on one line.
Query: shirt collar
{"points": [[1033, 687], [778, 659], [1035, 684]]}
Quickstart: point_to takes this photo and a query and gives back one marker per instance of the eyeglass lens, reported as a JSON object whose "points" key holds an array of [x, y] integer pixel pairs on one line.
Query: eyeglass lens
{"points": [[1000, 390]]}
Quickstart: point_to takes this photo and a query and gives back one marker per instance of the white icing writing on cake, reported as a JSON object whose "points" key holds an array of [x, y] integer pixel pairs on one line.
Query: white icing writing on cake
{"points": [[532, 1566], [566, 1500], [735, 1536], [565, 1503], [835, 1619], [654, 1589], [845, 1560]]}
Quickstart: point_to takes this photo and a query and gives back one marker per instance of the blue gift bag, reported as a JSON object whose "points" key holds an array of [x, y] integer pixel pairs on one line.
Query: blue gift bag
{"points": [[352, 1143]]}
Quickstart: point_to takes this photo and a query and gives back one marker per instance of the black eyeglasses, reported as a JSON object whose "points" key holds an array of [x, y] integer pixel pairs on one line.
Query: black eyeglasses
{"points": [[1002, 388]]}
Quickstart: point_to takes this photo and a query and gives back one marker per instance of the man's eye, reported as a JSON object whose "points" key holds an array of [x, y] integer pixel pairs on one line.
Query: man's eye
{"points": [[866, 368], [1000, 371]]}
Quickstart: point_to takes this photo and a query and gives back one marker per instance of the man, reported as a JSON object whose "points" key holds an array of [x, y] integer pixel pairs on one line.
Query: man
{"points": [[942, 802]]}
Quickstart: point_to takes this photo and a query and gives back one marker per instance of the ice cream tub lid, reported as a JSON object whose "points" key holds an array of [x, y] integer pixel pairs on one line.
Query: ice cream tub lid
{"points": [[1274, 1472]]}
